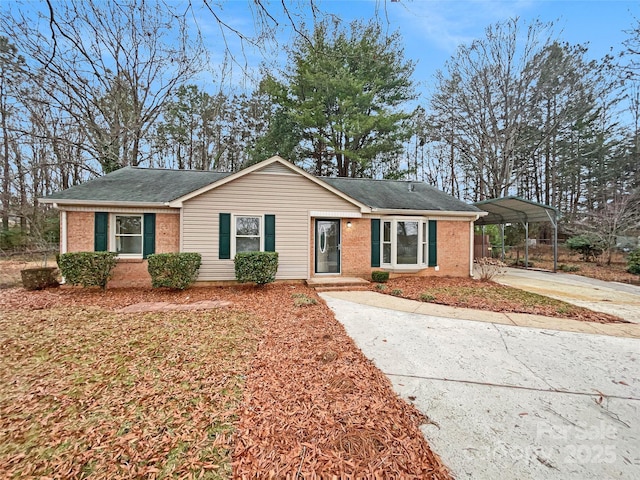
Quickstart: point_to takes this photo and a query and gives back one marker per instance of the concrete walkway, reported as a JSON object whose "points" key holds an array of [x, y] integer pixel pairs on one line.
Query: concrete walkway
{"points": [[390, 302], [508, 396], [618, 299]]}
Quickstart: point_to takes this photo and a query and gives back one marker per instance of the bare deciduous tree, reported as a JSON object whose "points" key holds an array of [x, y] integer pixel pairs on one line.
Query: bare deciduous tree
{"points": [[109, 67]]}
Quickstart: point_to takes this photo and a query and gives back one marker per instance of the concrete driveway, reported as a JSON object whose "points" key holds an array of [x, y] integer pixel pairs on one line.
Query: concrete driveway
{"points": [[609, 297], [505, 401]]}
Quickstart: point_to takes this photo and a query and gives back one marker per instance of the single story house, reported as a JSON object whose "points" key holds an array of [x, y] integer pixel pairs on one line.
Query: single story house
{"points": [[319, 226]]}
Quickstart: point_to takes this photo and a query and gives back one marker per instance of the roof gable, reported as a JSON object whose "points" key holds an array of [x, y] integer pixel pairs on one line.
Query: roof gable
{"points": [[265, 165]]}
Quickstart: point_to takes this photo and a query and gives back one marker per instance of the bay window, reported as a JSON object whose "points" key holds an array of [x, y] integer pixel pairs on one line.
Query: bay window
{"points": [[404, 243]]}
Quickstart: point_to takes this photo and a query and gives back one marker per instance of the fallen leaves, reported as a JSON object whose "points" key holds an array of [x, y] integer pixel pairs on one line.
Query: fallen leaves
{"points": [[87, 391], [316, 407], [490, 296]]}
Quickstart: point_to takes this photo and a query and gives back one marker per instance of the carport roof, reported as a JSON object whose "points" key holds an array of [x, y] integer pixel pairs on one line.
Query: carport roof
{"points": [[515, 210]]}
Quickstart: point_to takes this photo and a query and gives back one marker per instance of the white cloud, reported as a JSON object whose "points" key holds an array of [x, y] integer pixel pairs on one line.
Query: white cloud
{"points": [[447, 24]]}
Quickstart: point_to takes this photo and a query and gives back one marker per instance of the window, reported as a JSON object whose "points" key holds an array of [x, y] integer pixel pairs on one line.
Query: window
{"points": [[128, 235], [404, 243], [407, 243], [386, 242], [424, 245], [248, 236]]}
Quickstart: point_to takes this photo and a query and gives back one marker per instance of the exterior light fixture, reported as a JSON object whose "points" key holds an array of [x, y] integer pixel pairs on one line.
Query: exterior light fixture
{"points": [[348, 224]]}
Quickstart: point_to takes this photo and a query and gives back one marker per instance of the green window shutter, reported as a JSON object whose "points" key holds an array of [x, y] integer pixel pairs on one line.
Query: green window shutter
{"points": [[375, 242], [149, 235], [433, 243], [224, 244], [101, 228], [269, 233]]}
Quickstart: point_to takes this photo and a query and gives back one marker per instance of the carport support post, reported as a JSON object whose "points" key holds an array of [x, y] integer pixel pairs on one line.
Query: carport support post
{"points": [[526, 244], [555, 246], [502, 239]]}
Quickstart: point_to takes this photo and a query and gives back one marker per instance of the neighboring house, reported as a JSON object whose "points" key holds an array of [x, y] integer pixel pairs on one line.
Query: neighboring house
{"points": [[319, 226]]}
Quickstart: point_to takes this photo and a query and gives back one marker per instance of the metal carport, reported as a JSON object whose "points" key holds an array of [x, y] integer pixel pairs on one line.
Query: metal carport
{"points": [[518, 210]]}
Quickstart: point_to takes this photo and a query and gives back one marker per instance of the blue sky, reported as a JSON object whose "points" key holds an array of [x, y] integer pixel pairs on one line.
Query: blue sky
{"points": [[433, 29]]}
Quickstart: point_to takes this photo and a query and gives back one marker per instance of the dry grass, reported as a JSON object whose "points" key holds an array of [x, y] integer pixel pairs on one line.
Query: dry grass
{"points": [[87, 392], [491, 296], [542, 257]]}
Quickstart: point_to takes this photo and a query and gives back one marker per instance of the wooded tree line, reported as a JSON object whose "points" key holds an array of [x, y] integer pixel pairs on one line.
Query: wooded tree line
{"points": [[91, 86]]}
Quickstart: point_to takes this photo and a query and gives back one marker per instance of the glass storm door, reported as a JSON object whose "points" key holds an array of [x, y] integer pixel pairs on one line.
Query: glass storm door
{"points": [[327, 246]]}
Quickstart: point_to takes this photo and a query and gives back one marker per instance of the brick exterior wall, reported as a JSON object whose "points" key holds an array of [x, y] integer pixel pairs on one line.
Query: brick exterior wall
{"points": [[453, 250], [80, 231], [128, 272], [356, 247], [167, 233]]}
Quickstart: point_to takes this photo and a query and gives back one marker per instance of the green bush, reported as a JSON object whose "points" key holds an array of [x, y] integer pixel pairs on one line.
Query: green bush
{"points": [[427, 297], [258, 267], [379, 276], [12, 239], [397, 292], [568, 268], [89, 269], [588, 246], [173, 270], [303, 300], [633, 262]]}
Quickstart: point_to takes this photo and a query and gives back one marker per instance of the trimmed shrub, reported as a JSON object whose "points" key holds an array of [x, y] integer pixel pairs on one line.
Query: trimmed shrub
{"points": [[89, 269], [587, 245], [39, 278], [633, 262], [257, 267], [379, 276], [173, 270]]}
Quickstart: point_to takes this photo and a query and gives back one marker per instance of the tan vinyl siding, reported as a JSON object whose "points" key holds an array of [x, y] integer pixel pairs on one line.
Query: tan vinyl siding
{"points": [[276, 168], [289, 197]]}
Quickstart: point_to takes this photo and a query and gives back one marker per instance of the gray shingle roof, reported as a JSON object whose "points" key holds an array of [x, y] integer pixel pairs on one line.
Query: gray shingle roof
{"points": [[149, 185], [400, 195], [146, 185]]}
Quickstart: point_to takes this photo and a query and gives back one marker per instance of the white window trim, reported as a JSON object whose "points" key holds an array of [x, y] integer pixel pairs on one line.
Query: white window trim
{"points": [[233, 230], [112, 234], [422, 262]]}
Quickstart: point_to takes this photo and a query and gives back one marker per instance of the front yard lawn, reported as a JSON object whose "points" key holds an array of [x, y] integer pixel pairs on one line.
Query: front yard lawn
{"points": [[270, 387], [89, 392], [491, 296]]}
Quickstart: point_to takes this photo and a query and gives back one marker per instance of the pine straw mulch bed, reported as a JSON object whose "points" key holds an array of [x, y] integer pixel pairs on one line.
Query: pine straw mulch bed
{"points": [[313, 405], [487, 295]]}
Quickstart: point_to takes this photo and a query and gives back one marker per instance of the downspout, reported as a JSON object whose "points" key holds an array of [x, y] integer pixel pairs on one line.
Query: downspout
{"points": [[471, 247], [63, 234], [526, 245], [63, 229]]}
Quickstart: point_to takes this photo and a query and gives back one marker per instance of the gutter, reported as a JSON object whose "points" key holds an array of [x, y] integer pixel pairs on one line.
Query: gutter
{"points": [[452, 213], [58, 203]]}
